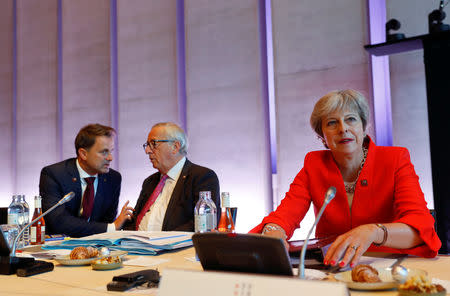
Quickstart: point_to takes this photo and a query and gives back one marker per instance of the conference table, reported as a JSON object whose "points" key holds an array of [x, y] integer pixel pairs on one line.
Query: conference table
{"points": [[83, 280]]}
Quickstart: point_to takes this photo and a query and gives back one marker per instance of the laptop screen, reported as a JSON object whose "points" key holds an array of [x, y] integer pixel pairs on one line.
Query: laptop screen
{"points": [[251, 253], [7, 235]]}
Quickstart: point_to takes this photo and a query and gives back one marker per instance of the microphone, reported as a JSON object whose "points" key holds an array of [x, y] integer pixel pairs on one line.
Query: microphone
{"points": [[329, 195], [63, 200], [11, 264]]}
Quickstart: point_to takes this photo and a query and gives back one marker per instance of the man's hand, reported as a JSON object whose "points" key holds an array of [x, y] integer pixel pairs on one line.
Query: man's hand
{"points": [[125, 214]]}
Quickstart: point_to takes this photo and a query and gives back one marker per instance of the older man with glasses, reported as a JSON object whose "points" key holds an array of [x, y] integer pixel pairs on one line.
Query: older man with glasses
{"points": [[168, 197]]}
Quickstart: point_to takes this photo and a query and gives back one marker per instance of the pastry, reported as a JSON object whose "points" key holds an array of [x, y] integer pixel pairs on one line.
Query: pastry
{"points": [[420, 285], [93, 252], [83, 253], [79, 253], [365, 273]]}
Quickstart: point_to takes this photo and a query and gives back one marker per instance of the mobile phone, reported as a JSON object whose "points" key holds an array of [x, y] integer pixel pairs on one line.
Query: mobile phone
{"points": [[121, 286], [129, 280]]}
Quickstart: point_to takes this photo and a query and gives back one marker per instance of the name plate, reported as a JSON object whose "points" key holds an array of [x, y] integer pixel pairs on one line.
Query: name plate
{"points": [[207, 283]]}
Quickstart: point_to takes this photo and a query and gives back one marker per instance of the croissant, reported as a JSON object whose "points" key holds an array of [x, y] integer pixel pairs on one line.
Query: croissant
{"points": [[79, 253], [93, 252], [365, 273]]}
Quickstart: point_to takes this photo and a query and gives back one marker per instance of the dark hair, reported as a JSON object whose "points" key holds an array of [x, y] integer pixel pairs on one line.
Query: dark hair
{"points": [[87, 135]]}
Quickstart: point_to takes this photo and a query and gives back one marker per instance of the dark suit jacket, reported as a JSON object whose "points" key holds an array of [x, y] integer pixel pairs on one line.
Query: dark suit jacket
{"points": [[59, 179], [180, 210]]}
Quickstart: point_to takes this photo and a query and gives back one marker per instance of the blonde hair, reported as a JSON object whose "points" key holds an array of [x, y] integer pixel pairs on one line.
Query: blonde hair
{"points": [[339, 100]]}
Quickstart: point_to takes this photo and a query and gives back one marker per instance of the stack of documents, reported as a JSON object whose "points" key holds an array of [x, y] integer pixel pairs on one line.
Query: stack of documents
{"points": [[135, 242]]}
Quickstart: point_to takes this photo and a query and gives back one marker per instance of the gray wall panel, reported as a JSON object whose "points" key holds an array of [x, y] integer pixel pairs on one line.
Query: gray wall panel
{"points": [[86, 67], [147, 83], [36, 92], [6, 102], [409, 98], [317, 49], [224, 102]]}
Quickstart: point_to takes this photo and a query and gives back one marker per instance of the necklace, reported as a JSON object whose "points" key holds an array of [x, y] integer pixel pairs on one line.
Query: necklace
{"points": [[350, 186]]}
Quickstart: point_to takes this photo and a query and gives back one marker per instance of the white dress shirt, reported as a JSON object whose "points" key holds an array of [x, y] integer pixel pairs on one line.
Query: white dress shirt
{"points": [[154, 218], [83, 174]]}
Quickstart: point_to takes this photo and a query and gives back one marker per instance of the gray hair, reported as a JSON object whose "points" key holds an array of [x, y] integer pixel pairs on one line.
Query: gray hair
{"points": [[339, 100], [176, 133]]}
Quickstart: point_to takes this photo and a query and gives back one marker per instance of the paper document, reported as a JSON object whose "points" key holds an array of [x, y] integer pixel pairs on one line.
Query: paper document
{"points": [[135, 242]]}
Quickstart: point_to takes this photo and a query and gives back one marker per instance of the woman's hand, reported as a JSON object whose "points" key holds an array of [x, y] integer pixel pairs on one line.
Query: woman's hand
{"points": [[351, 245], [275, 230]]}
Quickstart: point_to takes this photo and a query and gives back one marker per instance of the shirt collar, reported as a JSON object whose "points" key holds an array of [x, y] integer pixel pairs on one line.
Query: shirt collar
{"points": [[83, 173], [175, 171]]}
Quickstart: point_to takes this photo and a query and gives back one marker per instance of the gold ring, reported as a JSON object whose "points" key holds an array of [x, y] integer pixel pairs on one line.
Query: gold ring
{"points": [[354, 247]]}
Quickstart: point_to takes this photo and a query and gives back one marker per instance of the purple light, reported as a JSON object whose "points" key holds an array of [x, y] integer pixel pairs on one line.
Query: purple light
{"points": [[181, 65], [268, 93], [59, 113], [14, 98], [381, 87], [114, 78]]}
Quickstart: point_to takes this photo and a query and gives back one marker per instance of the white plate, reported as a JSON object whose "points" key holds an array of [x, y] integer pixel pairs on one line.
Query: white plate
{"points": [[387, 282], [65, 260]]}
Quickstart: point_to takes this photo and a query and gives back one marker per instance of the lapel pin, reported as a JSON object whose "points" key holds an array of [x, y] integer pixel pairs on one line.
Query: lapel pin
{"points": [[364, 182], [74, 179]]}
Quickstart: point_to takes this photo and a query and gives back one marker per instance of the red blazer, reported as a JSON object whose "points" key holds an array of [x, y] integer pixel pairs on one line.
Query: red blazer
{"points": [[387, 191]]}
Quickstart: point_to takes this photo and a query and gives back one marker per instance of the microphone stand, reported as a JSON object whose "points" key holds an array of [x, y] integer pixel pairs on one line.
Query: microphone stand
{"points": [[329, 195], [9, 264]]}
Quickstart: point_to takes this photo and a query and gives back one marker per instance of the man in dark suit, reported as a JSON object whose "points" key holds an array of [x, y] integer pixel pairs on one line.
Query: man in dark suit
{"points": [[168, 197], [96, 187]]}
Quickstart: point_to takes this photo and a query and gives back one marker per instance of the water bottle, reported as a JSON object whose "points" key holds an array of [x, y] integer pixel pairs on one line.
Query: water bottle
{"points": [[205, 213], [213, 217], [15, 215], [25, 220], [14, 211]]}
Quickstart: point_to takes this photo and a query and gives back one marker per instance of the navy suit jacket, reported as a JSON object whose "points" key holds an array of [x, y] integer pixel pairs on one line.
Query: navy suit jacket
{"points": [[61, 178], [180, 210]]}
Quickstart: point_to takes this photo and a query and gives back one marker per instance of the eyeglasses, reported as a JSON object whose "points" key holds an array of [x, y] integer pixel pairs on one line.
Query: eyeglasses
{"points": [[153, 144]]}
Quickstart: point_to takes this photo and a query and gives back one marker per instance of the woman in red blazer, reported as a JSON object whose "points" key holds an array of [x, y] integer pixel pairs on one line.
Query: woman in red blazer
{"points": [[379, 205]]}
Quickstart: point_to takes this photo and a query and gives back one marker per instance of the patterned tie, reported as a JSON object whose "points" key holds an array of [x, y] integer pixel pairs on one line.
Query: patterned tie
{"points": [[151, 200], [88, 198]]}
